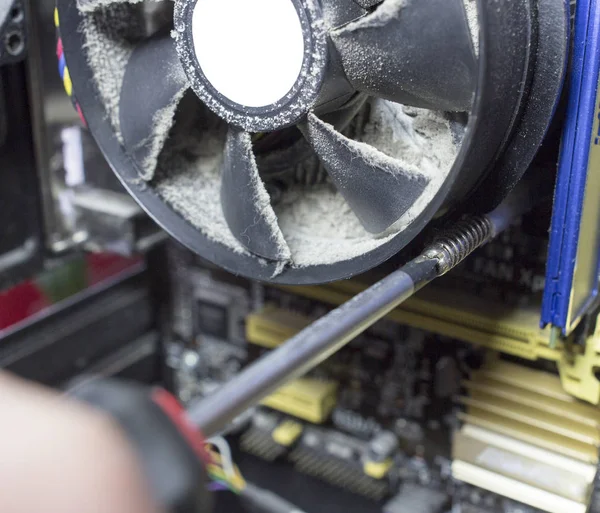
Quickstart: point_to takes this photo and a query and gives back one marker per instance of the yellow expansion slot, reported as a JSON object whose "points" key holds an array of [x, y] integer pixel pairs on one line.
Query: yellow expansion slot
{"points": [[307, 399], [271, 326], [513, 331]]}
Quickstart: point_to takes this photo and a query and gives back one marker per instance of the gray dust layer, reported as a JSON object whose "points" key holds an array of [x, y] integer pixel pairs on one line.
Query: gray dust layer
{"points": [[315, 221]]}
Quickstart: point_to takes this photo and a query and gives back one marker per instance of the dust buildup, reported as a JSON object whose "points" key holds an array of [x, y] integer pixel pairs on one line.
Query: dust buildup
{"points": [[86, 6], [316, 223], [262, 201], [112, 30], [111, 34], [162, 124], [189, 178], [473, 20], [380, 17], [419, 139], [92, 5], [320, 228], [356, 149]]}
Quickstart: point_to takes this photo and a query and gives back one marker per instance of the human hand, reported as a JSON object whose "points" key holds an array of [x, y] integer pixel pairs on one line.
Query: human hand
{"points": [[59, 456]]}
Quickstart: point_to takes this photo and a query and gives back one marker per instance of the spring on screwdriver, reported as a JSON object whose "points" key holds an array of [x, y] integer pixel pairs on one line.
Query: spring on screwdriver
{"points": [[454, 245]]}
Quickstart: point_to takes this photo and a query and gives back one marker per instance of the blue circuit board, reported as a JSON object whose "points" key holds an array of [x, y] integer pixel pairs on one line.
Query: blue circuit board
{"points": [[574, 251]]}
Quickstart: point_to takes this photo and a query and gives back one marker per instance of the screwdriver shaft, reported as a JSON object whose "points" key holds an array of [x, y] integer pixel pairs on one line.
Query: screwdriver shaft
{"points": [[310, 347], [327, 335]]}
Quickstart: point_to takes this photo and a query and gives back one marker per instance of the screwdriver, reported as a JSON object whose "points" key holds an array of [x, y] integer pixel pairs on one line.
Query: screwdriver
{"points": [[317, 342], [169, 440]]}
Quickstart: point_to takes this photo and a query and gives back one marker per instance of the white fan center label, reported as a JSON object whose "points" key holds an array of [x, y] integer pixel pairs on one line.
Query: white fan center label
{"points": [[251, 51]]}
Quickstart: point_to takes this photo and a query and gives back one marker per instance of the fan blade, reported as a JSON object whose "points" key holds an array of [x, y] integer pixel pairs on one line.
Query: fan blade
{"points": [[92, 5], [367, 4], [339, 12], [246, 202], [414, 52], [153, 85], [378, 190]]}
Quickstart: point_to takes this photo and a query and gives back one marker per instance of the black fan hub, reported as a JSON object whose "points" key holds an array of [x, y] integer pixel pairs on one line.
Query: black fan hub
{"points": [[271, 82]]}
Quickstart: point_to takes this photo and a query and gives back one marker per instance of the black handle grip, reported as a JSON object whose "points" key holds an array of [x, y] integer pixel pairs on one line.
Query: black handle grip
{"points": [[169, 449]]}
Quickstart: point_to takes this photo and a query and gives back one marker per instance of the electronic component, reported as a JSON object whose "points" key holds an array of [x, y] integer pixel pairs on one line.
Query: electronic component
{"points": [[526, 439], [400, 383], [220, 308], [264, 436], [417, 499], [287, 433], [388, 372], [578, 366], [486, 323], [458, 315], [381, 450], [573, 258], [520, 471], [531, 406], [305, 398], [271, 326], [383, 446], [393, 413], [337, 459], [469, 499]]}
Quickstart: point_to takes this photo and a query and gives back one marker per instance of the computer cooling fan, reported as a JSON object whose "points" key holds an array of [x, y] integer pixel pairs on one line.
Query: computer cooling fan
{"points": [[302, 141]]}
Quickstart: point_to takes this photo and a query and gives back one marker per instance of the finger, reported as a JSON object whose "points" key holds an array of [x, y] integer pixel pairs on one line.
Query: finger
{"points": [[61, 456]]}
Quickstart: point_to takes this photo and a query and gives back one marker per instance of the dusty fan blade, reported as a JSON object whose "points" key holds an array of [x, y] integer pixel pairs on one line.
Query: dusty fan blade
{"points": [[246, 202], [377, 188], [339, 12], [91, 5], [367, 4], [414, 52], [153, 86]]}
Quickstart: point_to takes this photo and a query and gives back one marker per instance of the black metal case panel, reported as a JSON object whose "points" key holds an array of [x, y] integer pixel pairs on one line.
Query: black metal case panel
{"points": [[21, 242]]}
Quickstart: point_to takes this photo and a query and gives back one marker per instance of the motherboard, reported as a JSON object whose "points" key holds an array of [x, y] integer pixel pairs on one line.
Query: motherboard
{"points": [[457, 401]]}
